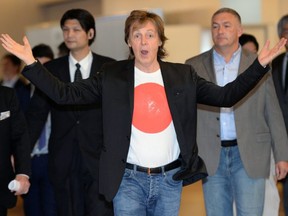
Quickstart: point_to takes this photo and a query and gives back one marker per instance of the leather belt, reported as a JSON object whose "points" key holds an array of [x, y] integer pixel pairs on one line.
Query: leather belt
{"points": [[155, 170], [228, 143]]}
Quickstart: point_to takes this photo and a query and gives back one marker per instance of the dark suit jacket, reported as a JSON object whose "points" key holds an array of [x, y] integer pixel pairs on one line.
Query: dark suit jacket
{"points": [[23, 92], [277, 67], [14, 141], [114, 86], [72, 127]]}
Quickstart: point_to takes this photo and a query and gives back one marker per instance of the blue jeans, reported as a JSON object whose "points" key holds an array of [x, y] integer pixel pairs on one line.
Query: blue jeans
{"points": [[230, 183], [148, 195]]}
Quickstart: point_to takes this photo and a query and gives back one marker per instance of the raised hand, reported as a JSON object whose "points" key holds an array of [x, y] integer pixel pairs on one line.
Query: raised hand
{"points": [[23, 52], [266, 55]]}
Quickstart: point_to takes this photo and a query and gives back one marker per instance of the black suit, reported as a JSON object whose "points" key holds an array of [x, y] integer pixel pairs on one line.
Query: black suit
{"points": [[14, 141], [114, 86], [23, 92], [74, 145], [282, 94]]}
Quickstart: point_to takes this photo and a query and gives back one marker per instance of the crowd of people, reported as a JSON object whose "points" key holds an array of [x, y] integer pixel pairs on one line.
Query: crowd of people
{"points": [[94, 136]]}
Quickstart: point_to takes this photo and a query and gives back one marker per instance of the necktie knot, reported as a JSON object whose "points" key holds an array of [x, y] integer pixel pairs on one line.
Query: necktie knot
{"points": [[78, 75]]}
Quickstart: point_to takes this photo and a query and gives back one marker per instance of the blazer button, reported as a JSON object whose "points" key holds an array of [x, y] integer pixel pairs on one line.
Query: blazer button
{"points": [[123, 161], [77, 122], [128, 138], [217, 118], [218, 135]]}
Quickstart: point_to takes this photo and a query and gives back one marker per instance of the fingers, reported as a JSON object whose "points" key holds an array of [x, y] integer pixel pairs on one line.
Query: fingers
{"points": [[26, 42], [23, 189], [266, 45], [282, 175]]}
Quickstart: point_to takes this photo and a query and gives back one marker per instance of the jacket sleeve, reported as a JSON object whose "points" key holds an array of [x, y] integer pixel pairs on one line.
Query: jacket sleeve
{"points": [[86, 91], [19, 138]]}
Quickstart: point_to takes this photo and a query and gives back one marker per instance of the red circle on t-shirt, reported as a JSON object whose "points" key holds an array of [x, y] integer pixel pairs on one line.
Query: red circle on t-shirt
{"points": [[151, 110]]}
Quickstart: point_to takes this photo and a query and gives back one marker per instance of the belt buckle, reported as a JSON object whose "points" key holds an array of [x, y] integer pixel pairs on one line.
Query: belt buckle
{"points": [[148, 171]]}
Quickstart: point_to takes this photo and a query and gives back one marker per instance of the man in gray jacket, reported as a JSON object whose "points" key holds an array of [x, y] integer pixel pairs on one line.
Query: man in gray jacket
{"points": [[236, 142]]}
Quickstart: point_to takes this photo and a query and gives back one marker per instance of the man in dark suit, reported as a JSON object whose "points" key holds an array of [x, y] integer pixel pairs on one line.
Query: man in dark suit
{"points": [[149, 115], [280, 78], [76, 131], [14, 142], [11, 68]]}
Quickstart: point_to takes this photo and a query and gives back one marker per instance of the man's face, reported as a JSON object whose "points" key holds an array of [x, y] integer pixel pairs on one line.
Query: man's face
{"points": [[250, 46], [226, 30], [75, 36], [145, 43]]}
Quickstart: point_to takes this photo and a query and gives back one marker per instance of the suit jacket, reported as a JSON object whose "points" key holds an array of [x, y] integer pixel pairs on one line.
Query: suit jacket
{"points": [[23, 92], [258, 120], [113, 86], [14, 141], [72, 127], [277, 66]]}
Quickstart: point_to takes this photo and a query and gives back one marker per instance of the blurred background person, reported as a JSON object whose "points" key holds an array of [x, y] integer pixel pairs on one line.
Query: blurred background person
{"points": [[249, 42], [40, 200], [14, 142], [62, 49], [10, 68]]}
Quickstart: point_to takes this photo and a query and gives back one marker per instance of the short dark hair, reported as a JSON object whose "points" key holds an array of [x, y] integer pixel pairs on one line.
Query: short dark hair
{"points": [[14, 59], [42, 50], [281, 23], [85, 19], [140, 17], [245, 38], [228, 10]]}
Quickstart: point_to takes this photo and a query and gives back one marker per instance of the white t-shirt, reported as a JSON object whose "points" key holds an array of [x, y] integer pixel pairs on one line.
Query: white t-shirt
{"points": [[153, 138]]}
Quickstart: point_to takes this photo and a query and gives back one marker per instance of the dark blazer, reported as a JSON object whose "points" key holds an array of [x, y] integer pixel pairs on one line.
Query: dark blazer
{"points": [[23, 92], [277, 67], [72, 127], [14, 141], [114, 86]]}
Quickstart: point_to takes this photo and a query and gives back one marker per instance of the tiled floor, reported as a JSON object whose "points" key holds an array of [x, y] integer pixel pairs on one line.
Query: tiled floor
{"points": [[192, 202]]}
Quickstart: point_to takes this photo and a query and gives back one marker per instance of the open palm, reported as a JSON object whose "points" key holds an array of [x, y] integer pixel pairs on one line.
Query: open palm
{"points": [[24, 52]]}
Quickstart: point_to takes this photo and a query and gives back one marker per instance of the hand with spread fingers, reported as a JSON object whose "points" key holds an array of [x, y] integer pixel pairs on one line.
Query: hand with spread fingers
{"points": [[24, 52], [266, 55]]}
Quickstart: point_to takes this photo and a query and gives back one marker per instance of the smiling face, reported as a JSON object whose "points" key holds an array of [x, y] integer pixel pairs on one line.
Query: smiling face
{"points": [[144, 41], [226, 30]]}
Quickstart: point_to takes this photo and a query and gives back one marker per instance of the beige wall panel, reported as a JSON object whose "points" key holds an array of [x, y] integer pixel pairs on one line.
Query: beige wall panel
{"points": [[184, 42]]}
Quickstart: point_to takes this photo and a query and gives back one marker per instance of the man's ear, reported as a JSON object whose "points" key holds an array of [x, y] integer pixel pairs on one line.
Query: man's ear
{"points": [[90, 33]]}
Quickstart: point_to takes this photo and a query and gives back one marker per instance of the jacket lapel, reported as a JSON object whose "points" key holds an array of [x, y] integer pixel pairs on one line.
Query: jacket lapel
{"points": [[208, 65], [129, 76], [64, 71]]}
